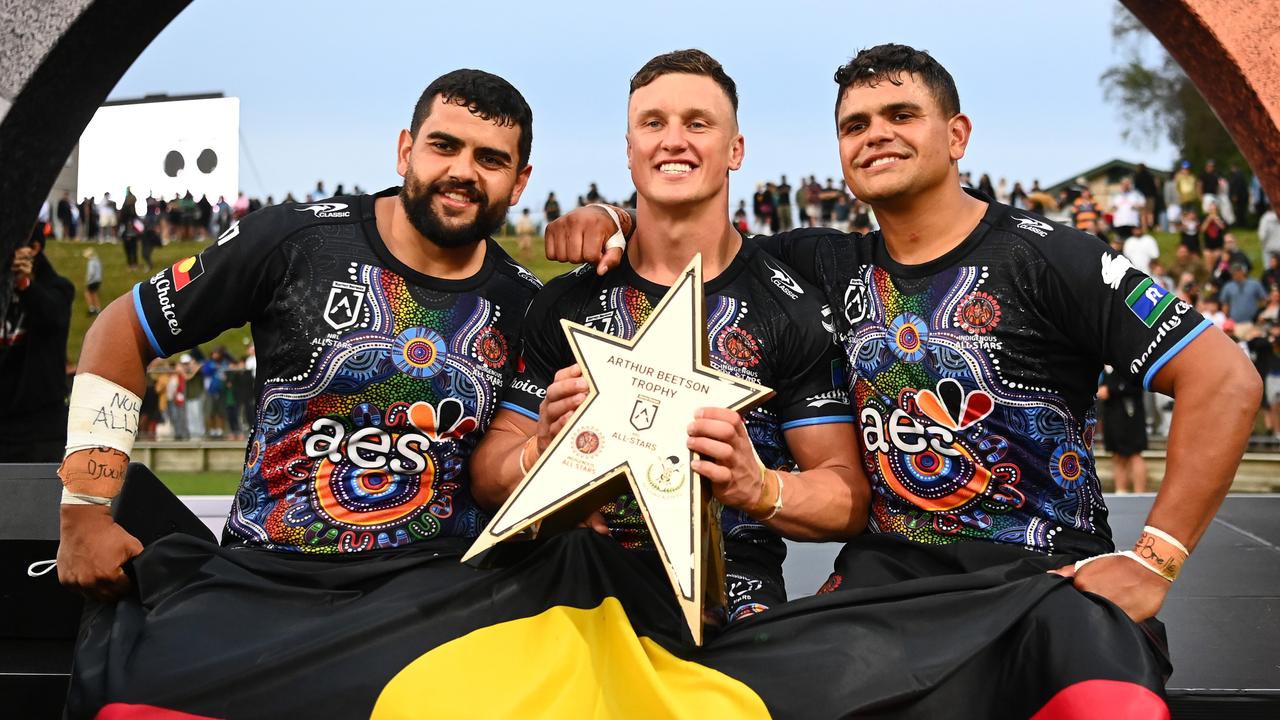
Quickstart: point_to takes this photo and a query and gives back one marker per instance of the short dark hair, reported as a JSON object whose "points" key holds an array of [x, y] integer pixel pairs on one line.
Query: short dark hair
{"points": [[487, 96], [888, 62], [688, 62]]}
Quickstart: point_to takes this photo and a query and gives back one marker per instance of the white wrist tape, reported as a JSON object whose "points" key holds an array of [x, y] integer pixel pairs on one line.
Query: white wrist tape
{"points": [[1126, 553], [101, 414], [70, 498], [618, 239], [1166, 537]]}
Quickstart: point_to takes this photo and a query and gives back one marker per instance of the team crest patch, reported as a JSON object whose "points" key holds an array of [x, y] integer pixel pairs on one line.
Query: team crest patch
{"points": [[342, 310], [738, 347], [1148, 301], [979, 313]]}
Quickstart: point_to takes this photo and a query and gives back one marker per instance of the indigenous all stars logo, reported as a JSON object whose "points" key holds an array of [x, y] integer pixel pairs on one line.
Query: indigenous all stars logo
{"points": [[587, 442], [738, 347], [491, 348], [979, 313]]}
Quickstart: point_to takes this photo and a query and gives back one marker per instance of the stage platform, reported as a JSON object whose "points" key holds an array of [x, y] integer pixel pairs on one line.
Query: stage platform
{"points": [[1222, 616]]}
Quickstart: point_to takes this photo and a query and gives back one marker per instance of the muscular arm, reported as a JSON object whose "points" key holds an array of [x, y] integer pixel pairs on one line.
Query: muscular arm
{"points": [[1218, 392], [826, 500], [93, 547]]}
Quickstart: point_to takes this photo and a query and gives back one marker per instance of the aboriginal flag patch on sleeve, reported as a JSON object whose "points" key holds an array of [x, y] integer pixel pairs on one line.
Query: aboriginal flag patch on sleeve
{"points": [[186, 271]]}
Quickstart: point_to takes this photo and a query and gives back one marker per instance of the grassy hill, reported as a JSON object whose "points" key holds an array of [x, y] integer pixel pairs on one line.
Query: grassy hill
{"points": [[117, 280]]}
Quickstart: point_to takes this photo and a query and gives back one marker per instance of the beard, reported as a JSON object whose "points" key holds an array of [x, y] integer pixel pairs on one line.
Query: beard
{"points": [[417, 198]]}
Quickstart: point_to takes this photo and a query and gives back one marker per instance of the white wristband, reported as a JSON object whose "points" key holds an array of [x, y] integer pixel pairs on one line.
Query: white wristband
{"points": [[1126, 553], [101, 414], [1166, 537], [70, 498], [618, 239]]}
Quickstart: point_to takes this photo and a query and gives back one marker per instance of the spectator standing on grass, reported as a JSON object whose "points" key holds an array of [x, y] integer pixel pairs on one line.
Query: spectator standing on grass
{"points": [[802, 205], [1018, 196], [551, 209], [1145, 183], [1127, 206], [1190, 235], [108, 220], [1212, 233], [1242, 298], [194, 394], [1187, 187], [524, 234], [785, 220], [1139, 247], [1002, 192], [1124, 429], [92, 280], [214, 371], [1084, 212], [66, 219], [985, 186], [1269, 233], [815, 202], [1238, 195], [33, 357], [175, 394], [740, 220], [1271, 275], [1207, 186], [129, 229], [1172, 217], [1264, 350]]}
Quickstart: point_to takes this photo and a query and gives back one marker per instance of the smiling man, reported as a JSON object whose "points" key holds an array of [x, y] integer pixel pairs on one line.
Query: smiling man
{"points": [[763, 325], [384, 325], [976, 334]]}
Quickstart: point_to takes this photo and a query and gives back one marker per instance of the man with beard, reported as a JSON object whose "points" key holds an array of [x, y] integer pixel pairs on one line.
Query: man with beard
{"points": [[976, 334], [385, 326]]}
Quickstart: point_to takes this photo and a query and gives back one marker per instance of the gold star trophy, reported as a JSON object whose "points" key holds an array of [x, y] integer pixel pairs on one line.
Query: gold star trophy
{"points": [[633, 428]]}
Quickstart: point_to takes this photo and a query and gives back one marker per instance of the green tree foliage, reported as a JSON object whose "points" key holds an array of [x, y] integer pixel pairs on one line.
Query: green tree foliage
{"points": [[1157, 100]]}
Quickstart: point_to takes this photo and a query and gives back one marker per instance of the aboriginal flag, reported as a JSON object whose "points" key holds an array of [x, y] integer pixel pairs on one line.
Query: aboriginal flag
{"points": [[579, 627], [186, 271]]}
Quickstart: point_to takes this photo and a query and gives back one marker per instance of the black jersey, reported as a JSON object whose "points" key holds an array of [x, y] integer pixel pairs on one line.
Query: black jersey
{"points": [[374, 381], [974, 374], [762, 325]]}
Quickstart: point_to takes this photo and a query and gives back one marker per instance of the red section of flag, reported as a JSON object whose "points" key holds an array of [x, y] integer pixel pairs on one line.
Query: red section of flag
{"points": [[1104, 698], [127, 711]]}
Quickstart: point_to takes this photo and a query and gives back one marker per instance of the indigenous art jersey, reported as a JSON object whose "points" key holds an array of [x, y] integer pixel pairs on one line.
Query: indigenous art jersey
{"points": [[974, 375], [374, 381], [762, 326]]}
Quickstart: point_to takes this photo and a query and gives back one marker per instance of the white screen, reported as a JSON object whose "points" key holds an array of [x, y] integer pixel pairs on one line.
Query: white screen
{"points": [[127, 146]]}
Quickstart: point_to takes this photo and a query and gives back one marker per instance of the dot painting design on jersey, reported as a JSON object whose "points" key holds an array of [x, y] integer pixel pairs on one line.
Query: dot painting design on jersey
{"points": [[937, 419], [368, 448]]}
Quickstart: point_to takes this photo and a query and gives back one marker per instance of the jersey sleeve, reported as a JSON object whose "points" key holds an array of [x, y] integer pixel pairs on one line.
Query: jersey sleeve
{"points": [[544, 350], [1103, 302], [812, 374], [199, 297]]}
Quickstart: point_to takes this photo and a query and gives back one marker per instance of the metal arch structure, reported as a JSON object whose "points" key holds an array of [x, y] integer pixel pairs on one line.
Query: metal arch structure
{"points": [[58, 61], [60, 58], [1231, 51]]}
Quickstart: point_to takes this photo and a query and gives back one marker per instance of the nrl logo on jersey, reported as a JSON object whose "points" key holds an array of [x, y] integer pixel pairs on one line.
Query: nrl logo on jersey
{"points": [[784, 281], [343, 307], [1038, 227], [326, 210]]}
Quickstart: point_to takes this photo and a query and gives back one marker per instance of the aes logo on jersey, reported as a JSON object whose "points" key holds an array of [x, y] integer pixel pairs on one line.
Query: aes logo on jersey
{"points": [[344, 305]]}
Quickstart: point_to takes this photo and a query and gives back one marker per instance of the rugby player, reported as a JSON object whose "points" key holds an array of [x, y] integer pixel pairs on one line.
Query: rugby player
{"points": [[764, 325], [976, 334], [385, 327]]}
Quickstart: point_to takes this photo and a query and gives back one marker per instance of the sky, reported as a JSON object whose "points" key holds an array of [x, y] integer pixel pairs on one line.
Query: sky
{"points": [[325, 87]]}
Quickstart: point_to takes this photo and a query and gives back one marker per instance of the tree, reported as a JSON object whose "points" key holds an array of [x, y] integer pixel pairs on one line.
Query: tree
{"points": [[1156, 99]]}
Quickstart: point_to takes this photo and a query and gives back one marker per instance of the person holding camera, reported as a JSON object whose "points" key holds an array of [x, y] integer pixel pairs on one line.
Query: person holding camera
{"points": [[33, 357]]}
